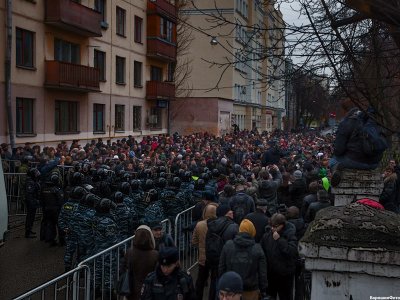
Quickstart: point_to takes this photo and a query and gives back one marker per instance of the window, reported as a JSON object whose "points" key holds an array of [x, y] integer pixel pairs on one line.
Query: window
{"points": [[137, 118], [66, 117], [155, 117], [66, 51], [171, 71], [166, 29], [155, 73], [137, 74], [100, 63], [138, 29], [119, 117], [120, 70], [24, 116], [98, 117], [100, 6], [121, 14], [24, 47]]}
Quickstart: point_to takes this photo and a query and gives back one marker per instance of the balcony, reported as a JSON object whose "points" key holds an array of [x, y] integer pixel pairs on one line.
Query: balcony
{"points": [[159, 49], [72, 16], [162, 7], [66, 76], [160, 90]]}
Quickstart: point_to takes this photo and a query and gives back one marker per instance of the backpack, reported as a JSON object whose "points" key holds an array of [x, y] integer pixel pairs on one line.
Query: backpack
{"points": [[374, 142], [239, 210], [214, 245]]}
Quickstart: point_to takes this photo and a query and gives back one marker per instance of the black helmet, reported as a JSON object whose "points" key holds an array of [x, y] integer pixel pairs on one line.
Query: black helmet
{"points": [[101, 173], [118, 197], [33, 173], [90, 200], [86, 167], [151, 196], [205, 177], [135, 184], [199, 184], [163, 175], [78, 193], [148, 185], [126, 177], [105, 205], [55, 179], [147, 173], [77, 178], [78, 167], [125, 188], [121, 173], [232, 178], [162, 169], [215, 173], [237, 169], [187, 176], [181, 173], [176, 182], [161, 183]]}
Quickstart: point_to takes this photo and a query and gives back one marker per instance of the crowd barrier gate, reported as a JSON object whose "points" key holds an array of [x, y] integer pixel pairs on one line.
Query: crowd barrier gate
{"points": [[105, 267], [188, 254], [15, 194], [73, 285]]}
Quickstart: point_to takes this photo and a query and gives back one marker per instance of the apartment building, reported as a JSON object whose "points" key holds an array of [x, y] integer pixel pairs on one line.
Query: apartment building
{"points": [[89, 69], [233, 81]]}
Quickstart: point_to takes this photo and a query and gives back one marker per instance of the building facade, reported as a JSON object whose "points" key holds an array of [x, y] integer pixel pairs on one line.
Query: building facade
{"points": [[233, 68], [89, 69]]}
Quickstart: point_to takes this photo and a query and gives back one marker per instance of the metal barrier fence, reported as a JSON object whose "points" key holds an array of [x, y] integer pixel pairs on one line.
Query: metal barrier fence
{"points": [[74, 285], [188, 254], [15, 193], [105, 267]]}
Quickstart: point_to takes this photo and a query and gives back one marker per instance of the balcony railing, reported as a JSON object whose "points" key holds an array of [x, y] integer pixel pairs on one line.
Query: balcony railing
{"points": [[156, 48], [160, 90], [72, 16], [162, 7], [68, 76]]}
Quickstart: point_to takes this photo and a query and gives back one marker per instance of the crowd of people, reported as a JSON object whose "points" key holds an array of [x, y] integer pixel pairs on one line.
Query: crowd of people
{"points": [[254, 195]]}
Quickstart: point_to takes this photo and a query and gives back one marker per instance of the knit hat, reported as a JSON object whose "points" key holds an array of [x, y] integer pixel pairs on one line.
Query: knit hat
{"points": [[222, 210], [248, 227], [230, 282], [297, 174]]}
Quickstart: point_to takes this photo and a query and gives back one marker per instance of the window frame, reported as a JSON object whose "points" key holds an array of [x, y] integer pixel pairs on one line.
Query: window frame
{"points": [[137, 82], [122, 115], [137, 118], [120, 20], [96, 64], [100, 6], [20, 57], [99, 108], [72, 122], [20, 116], [138, 30], [118, 72], [65, 46]]}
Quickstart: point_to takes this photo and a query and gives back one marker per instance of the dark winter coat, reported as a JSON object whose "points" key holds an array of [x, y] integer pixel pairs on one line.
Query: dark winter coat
{"points": [[267, 189], [260, 222], [140, 259], [297, 191], [243, 256], [248, 205], [217, 225], [310, 198], [282, 253]]}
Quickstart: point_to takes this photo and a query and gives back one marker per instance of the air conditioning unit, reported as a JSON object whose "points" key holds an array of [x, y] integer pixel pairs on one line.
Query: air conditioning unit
{"points": [[153, 119]]}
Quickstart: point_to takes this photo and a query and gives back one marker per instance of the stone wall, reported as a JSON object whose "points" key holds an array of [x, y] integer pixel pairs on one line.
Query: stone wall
{"points": [[358, 184]]}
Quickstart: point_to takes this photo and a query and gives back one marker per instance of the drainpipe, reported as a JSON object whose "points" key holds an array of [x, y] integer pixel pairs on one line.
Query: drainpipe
{"points": [[8, 72]]}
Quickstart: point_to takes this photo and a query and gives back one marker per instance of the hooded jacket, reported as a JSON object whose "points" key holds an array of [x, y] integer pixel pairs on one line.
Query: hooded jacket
{"points": [[243, 256], [217, 226], [140, 259]]}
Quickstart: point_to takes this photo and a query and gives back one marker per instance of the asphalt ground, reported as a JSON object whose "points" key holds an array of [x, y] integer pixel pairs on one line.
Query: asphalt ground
{"points": [[27, 263]]}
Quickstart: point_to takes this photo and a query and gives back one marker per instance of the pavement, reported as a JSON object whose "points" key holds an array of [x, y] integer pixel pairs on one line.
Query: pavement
{"points": [[27, 263]]}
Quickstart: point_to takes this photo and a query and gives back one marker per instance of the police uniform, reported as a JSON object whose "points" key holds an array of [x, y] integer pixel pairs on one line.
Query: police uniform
{"points": [[176, 286]]}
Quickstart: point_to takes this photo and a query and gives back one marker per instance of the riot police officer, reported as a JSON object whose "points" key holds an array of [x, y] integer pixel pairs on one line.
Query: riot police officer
{"points": [[32, 195]]}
